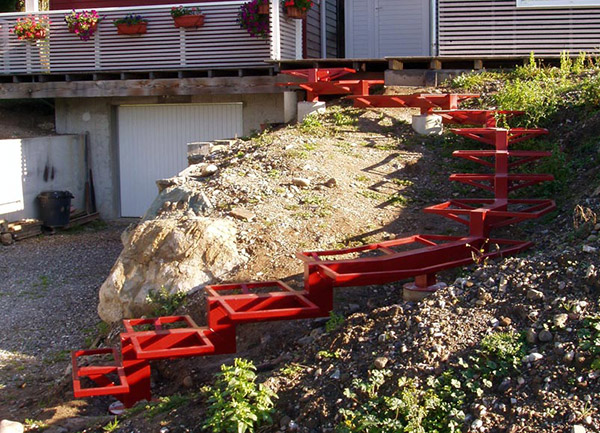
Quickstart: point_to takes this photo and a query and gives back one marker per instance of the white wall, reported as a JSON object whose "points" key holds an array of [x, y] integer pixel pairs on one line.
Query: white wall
{"points": [[40, 164]]}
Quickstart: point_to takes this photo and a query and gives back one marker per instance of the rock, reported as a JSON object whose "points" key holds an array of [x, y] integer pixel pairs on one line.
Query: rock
{"points": [[188, 382], [7, 426], [578, 428], [477, 424], [284, 421], [380, 362], [592, 238], [331, 183], [304, 341], [504, 385], [336, 374], [560, 320], [531, 336], [589, 249], [532, 357], [545, 336], [209, 170], [301, 182], [242, 214], [569, 356], [535, 295], [177, 254], [6, 239], [505, 321]]}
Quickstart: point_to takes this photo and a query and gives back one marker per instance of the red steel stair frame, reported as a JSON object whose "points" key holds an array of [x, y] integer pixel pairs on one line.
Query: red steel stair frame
{"points": [[324, 81], [422, 256]]}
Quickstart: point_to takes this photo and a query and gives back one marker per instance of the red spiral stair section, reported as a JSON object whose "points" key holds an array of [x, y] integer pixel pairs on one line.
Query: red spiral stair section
{"points": [[126, 376]]}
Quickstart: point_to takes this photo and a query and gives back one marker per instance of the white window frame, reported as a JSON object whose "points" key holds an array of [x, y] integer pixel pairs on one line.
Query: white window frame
{"points": [[556, 3]]}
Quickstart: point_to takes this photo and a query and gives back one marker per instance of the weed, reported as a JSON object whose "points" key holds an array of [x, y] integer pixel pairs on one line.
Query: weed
{"points": [[111, 426], [397, 199], [341, 119], [165, 303], [292, 370], [362, 178], [312, 125], [34, 424], [325, 354], [334, 322], [405, 408], [373, 195], [589, 339], [237, 403], [403, 182], [166, 404]]}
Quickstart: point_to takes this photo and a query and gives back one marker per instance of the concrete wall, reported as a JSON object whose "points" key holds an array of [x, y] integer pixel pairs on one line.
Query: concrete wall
{"points": [[39, 164], [98, 117]]}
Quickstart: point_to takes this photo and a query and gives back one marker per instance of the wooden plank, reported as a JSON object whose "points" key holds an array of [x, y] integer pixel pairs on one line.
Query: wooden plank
{"points": [[158, 87]]}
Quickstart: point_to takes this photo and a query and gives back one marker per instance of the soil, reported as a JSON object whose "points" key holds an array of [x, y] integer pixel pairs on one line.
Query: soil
{"points": [[384, 175]]}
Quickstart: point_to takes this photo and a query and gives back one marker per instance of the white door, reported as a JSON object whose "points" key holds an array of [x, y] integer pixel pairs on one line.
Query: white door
{"points": [[380, 28], [153, 144]]}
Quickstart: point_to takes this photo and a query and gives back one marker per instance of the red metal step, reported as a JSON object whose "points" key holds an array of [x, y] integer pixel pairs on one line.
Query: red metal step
{"points": [[493, 136], [487, 118], [427, 102], [515, 181], [524, 156], [245, 307], [99, 374]]}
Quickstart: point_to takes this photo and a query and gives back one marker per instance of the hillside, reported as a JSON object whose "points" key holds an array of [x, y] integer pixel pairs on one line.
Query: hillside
{"points": [[510, 345]]}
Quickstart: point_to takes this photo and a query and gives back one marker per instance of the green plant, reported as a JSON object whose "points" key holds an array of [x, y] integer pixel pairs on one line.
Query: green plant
{"points": [[111, 426], [311, 124], [34, 424], [405, 407], [303, 5], [179, 11], [237, 404], [325, 354], [292, 370], [165, 404], [130, 20], [334, 322], [342, 119], [589, 339], [165, 303]]}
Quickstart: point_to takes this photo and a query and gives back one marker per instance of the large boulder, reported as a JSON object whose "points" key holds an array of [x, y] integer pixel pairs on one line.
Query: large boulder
{"points": [[172, 248]]}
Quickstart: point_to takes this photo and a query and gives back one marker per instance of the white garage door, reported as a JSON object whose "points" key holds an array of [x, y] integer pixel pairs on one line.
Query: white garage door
{"points": [[380, 28], [153, 144]]}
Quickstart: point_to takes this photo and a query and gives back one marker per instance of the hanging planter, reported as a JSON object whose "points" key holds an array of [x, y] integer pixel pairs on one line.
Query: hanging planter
{"points": [[297, 9], [83, 24], [131, 25], [263, 7], [31, 28], [187, 17], [257, 25]]}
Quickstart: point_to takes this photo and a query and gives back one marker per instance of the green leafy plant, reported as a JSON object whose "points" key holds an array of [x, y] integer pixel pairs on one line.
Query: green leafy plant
{"points": [[334, 322], [111, 426], [589, 339], [405, 407], [165, 303], [237, 404]]}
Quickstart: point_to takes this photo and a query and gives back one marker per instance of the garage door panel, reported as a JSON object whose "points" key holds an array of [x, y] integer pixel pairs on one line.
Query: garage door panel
{"points": [[153, 144]]}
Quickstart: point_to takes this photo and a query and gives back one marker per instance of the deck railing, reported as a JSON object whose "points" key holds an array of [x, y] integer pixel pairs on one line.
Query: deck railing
{"points": [[218, 44]]}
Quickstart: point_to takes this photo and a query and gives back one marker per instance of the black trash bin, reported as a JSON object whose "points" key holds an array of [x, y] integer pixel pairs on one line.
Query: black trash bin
{"points": [[55, 207]]}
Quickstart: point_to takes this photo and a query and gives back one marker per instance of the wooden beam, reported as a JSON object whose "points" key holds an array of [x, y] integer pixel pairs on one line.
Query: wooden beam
{"points": [[144, 87], [396, 65]]}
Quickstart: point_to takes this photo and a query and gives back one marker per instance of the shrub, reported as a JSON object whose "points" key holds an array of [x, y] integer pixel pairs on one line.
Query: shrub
{"points": [[237, 403]]}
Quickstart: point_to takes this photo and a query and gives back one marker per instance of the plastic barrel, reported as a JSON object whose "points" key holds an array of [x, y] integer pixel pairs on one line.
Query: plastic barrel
{"points": [[55, 207]]}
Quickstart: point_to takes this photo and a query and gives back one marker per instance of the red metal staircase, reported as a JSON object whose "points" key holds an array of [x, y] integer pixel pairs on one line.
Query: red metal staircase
{"points": [[127, 376]]}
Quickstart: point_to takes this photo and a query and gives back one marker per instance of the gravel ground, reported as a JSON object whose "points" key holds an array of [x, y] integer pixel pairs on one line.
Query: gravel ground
{"points": [[48, 297]]}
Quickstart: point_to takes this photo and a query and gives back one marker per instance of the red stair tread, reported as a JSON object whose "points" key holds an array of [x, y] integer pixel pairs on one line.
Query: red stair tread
{"points": [[172, 343], [283, 304], [99, 374]]}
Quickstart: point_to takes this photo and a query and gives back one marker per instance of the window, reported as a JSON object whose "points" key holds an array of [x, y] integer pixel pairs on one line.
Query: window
{"points": [[556, 3]]}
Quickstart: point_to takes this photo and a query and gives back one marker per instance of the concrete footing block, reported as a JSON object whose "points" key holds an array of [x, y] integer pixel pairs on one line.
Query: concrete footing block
{"points": [[427, 124], [305, 108], [414, 293]]}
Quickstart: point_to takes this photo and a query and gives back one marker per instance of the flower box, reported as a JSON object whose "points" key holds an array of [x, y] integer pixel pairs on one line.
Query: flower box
{"points": [[295, 13], [132, 29], [263, 9], [189, 21]]}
